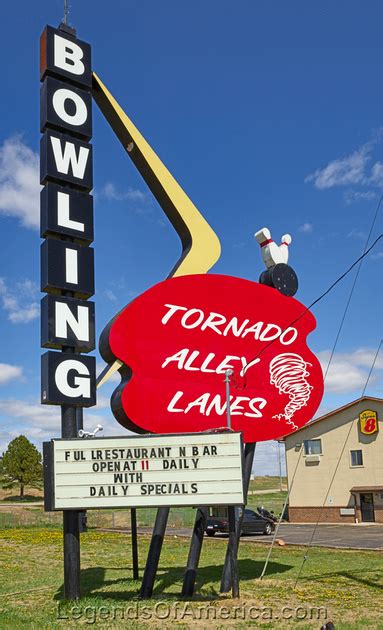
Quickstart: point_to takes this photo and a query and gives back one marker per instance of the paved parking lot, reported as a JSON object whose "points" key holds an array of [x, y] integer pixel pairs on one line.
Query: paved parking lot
{"points": [[340, 536]]}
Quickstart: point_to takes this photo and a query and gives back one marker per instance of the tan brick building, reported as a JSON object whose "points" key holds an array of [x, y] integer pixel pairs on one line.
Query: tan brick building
{"points": [[349, 443]]}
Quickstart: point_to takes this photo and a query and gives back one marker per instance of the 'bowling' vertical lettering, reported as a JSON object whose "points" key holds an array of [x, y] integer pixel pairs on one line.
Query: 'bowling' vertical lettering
{"points": [[67, 260]]}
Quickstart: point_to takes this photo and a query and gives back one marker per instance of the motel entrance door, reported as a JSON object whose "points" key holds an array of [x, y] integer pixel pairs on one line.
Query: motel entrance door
{"points": [[367, 507]]}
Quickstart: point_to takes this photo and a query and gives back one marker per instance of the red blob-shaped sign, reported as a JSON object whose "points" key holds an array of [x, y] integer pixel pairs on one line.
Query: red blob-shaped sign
{"points": [[178, 339]]}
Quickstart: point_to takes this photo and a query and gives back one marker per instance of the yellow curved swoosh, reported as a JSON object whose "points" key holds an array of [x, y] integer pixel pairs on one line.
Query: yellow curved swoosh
{"points": [[200, 245]]}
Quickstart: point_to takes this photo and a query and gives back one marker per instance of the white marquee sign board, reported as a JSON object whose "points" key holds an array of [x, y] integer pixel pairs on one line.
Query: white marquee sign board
{"points": [[146, 471]]}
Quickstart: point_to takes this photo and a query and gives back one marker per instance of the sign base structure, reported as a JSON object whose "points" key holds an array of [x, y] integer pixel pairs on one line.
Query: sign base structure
{"points": [[147, 471], [163, 471]]}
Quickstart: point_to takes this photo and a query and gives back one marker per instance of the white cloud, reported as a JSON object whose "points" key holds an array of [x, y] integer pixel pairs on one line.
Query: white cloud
{"points": [[353, 196], [365, 358], [103, 402], [19, 182], [110, 191], [30, 414], [110, 295], [9, 372], [344, 171], [266, 459], [377, 174], [42, 422], [360, 168], [21, 301], [355, 233], [348, 372], [306, 228], [139, 202], [115, 378]]}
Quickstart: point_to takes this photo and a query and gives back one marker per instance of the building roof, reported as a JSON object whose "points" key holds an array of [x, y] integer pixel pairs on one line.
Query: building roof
{"points": [[367, 489], [332, 413]]}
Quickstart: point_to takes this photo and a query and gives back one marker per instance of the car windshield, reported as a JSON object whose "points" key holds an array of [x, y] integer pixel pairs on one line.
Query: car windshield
{"points": [[252, 514]]}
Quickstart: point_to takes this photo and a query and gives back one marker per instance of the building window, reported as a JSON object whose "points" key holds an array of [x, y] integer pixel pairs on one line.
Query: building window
{"points": [[313, 447], [356, 458]]}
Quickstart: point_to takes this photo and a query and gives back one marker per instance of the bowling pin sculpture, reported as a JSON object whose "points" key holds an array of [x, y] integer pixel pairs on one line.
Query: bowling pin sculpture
{"points": [[278, 273]]}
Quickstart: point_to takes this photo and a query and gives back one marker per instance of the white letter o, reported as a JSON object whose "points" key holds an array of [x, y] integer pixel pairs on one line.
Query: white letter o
{"points": [[58, 101]]}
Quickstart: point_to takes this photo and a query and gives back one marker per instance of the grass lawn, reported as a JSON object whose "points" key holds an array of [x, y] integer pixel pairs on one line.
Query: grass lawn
{"points": [[267, 483], [13, 495], [30, 515], [347, 583], [274, 501]]}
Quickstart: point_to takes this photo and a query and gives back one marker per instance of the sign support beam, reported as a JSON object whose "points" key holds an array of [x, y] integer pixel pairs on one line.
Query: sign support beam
{"points": [[226, 581], [71, 555], [71, 518], [154, 553], [233, 552], [133, 524], [194, 552]]}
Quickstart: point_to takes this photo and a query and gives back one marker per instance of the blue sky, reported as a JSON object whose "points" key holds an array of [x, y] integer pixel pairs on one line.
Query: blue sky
{"points": [[267, 113]]}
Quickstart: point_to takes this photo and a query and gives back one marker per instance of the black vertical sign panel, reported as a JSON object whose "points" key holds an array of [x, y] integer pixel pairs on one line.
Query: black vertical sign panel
{"points": [[66, 212], [68, 379], [66, 159], [57, 273], [64, 56], [64, 106], [57, 317]]}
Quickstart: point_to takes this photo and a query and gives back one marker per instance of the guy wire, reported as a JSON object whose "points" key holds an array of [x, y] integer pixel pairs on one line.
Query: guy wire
{"points": [[360, 260], [307, 547]]}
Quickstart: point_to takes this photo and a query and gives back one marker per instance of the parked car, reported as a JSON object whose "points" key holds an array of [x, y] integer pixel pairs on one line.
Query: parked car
{"points": [[252, 523], [263, 512]]}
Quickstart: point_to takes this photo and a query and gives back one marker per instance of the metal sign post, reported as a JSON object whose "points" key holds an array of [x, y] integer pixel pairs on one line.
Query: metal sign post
{"points": [[226, 581], [194, 552], [228, 373], [154, 553], [133, 523]]}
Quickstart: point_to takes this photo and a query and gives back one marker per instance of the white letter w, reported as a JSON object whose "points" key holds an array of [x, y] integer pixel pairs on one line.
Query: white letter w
{"points": [[69, 158]]}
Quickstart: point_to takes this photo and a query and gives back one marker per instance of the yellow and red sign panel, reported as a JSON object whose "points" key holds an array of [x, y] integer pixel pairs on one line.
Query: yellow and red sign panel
{"points": [[368, 422]]}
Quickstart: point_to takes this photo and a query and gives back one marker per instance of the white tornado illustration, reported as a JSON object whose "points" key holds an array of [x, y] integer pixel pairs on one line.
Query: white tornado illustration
{"points": [[288, 373]]}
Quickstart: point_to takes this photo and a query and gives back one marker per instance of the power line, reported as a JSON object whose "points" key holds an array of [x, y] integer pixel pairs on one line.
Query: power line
{"points": [[290, 486], [353, 286], [318, 299], [360, 260], [305, 557], [293, 479]]}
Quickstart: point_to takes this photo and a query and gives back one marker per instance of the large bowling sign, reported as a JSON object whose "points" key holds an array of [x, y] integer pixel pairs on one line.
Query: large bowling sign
{"points": [[67, 260], [178, 339]]}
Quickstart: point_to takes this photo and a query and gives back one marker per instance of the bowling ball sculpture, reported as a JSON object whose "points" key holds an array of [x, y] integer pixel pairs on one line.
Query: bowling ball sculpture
{"points": [[278, 273]]}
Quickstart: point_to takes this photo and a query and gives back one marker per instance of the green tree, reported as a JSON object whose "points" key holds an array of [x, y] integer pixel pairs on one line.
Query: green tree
{"points": [[21, 464]]}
